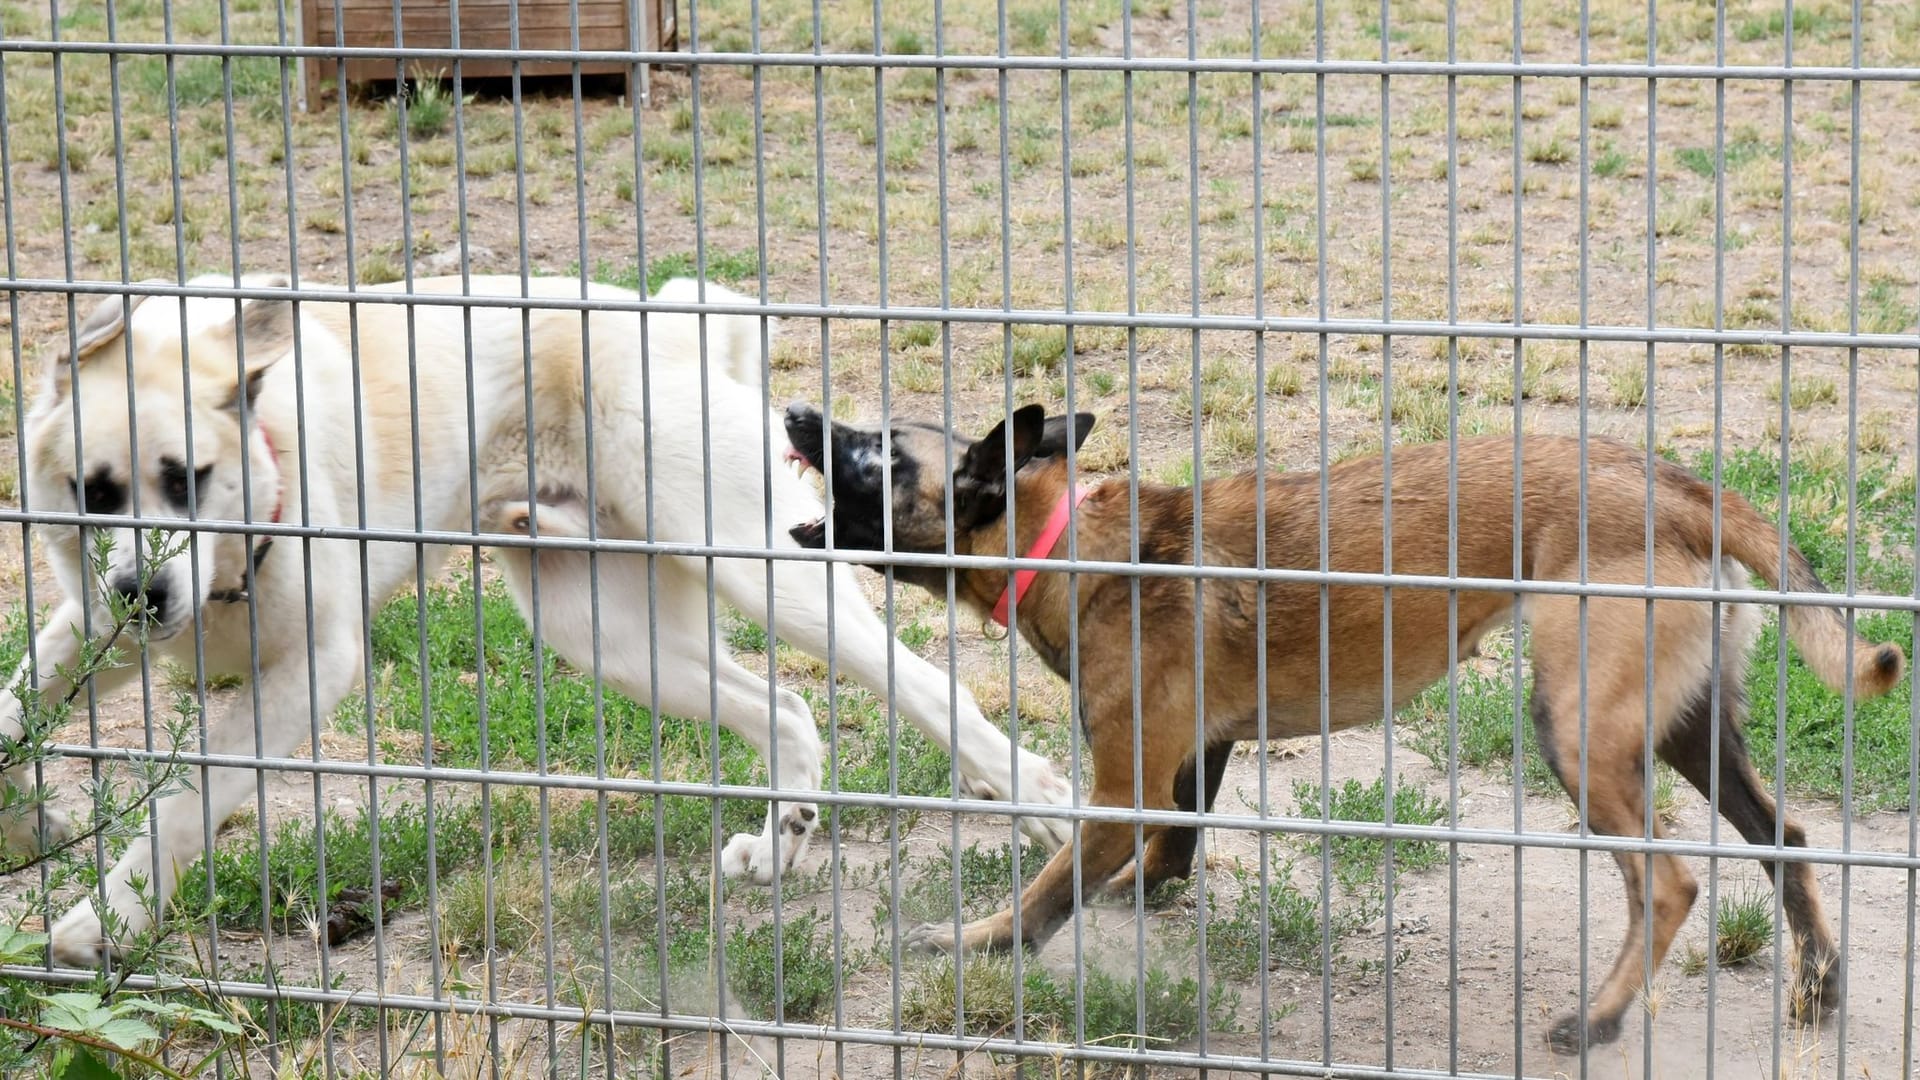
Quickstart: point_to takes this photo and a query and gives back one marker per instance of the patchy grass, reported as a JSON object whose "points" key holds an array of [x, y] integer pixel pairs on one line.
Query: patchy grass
{"points": [[1744, 927], [289, 872], [1627, 384], [538, 708], [1487, 726], [823, 229], [1817, 500], [1808, 391], [1744, 147], [1359, 862], [426, 104], [933, 1001], [1817, 725], [1287, 923], [730, 268], [985, 882]]}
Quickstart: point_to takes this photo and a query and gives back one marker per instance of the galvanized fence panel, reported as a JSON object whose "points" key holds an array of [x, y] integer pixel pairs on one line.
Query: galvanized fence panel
{"points": [[493, 859]]}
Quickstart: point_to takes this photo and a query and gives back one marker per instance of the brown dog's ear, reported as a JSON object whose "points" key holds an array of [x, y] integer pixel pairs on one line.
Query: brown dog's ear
{"points": [[1053, 439], [985, 462], [101, 327]]}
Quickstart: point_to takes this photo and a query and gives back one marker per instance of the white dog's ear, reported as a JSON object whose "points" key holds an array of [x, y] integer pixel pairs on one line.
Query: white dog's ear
{"points": [[102, 326], [262, 335]]}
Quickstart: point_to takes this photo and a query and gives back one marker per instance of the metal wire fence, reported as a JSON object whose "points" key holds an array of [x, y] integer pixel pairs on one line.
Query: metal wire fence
{"points": [[481, 506]]}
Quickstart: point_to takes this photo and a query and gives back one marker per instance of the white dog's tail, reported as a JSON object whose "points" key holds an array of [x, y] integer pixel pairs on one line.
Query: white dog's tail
{"points": [[733, 341]]}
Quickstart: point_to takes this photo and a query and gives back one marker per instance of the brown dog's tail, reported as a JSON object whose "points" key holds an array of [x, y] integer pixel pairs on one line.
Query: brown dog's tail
{"points": [[1819, 633]]}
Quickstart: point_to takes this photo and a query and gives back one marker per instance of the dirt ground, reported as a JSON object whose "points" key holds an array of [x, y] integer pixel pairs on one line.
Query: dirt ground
{"points": [[1437, 1021]]}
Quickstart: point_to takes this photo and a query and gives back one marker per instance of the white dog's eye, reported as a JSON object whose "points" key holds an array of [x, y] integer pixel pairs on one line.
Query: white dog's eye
{"points": [[103, 494], [173, 481]]}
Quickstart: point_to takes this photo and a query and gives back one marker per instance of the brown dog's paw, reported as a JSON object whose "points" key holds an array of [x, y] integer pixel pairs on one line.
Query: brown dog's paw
{"points": [[1816, 987], [1120, 885], [1564, 1036], [931, 938], [992, 934]]}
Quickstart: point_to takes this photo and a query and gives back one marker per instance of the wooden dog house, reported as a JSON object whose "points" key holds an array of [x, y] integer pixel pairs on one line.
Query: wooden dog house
{"points": [[484, 24]]}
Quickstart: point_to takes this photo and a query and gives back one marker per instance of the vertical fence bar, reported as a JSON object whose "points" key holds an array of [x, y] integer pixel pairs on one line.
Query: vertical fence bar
{"points": [[548, 776], [833, 822], [1453, 538], [1519, 531], [1199, 545], [1647, 539], [1713, 571], [1264, 860], [1386, 525], [1847, 701], [1136, 659], [1583, 801], [1324, 521], [1786, 442]]}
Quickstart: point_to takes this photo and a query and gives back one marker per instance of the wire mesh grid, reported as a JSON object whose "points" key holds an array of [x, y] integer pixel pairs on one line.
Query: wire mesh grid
{"points": [[576, 691]]}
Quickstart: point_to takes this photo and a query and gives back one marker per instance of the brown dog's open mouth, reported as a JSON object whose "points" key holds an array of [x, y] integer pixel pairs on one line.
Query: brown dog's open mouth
{"points": [[798, 462], [812, 534]]}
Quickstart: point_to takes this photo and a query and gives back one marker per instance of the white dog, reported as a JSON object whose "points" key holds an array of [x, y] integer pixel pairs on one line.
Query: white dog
{"points": [[309, 455]]}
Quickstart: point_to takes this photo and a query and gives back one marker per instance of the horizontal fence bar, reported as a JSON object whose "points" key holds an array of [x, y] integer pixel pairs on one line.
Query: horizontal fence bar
{"points": [[372, 772], [1529, 587], [999, 316], [1271, 824], [847, 1034], [995, 62]]}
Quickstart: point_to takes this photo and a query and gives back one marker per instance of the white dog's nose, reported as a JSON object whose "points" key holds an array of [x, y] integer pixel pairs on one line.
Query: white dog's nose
{"points": [[149, 604]]}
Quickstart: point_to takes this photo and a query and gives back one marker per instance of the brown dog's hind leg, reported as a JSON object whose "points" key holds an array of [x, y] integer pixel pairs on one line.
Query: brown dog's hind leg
{"points": [[1168, 854], [1688, 747], [1616, 806]]}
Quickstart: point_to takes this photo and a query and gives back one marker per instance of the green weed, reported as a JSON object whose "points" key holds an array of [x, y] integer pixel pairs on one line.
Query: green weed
{"points": [[1359, 861], [1744, 927]]}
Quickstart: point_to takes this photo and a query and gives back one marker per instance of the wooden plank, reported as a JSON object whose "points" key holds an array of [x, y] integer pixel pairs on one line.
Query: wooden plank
{"points": [[559, 40], [373, 32], [594, 11], [413, 27], [366, 71], [545, 25]]}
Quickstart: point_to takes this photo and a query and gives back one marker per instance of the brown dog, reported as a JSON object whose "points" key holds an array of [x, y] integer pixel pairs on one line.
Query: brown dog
{"points": [[909, 460]]}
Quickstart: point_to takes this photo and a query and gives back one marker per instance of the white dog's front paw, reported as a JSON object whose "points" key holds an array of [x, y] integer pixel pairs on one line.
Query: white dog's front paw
{"points": [[972, 787], [78, 939], [785, 841], [1039, 783], [23, 828]]}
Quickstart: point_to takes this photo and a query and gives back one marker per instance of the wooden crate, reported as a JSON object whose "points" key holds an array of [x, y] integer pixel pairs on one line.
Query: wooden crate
{"points": [[428, 24]]}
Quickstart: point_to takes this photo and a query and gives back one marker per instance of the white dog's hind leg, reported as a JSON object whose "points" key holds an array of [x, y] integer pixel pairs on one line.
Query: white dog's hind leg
{"points": [[943, 709], [564, 515], [131, 889], [57, 648]]}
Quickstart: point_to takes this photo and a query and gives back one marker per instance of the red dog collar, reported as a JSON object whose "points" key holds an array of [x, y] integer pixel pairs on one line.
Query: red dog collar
{"points": [[259, 554], [1042, 547]]}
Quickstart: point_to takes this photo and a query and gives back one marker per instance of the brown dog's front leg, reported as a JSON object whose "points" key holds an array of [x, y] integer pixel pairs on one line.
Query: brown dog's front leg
{"points": [[1104, 847]]}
